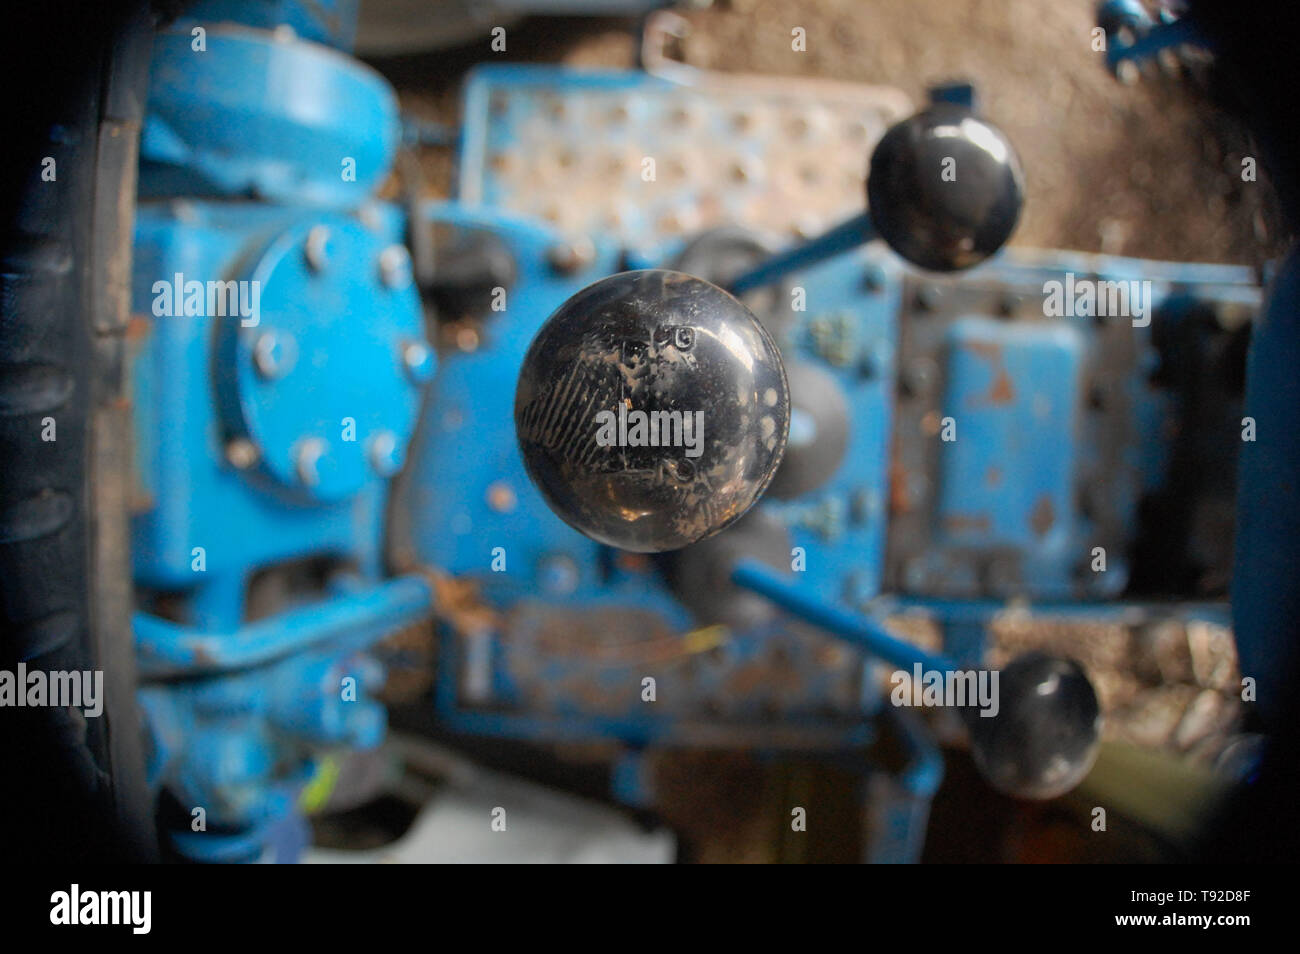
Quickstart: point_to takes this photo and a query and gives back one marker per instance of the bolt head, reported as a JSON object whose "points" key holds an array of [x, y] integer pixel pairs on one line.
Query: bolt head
{"points": [[395, 266], [384, 453], [241, 453], [307, 458], [274, 354], [501, 497], [558, 574], [417, 358], [185, 211], [572, 256], [873, 278], [316, 248], [919, 376]]}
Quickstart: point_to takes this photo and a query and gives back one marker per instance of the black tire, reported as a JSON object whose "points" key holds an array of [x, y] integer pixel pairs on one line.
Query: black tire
{"points": [[72, 787]]}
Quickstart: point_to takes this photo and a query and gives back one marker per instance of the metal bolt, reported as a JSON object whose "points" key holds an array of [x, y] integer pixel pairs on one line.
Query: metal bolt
{"points": [[371, 217], [501, 497], [873, 278], [241, 453], [395, 266], [383, 454], [929, 297], [274, 355], [418, 360], [306, 460], [571, 256], [864, 504], [919, 376], [875, 359], [467, 339], [558, 574], [185, 211], [316, 247]]}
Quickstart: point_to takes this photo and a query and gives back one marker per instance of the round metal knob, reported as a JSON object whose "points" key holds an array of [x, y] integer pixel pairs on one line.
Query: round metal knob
{"points": [[945, 188], [1046, 733], [652, 410]]}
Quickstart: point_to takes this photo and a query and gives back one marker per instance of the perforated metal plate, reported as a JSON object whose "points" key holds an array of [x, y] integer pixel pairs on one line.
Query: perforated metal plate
{"points": [[643, 160]]}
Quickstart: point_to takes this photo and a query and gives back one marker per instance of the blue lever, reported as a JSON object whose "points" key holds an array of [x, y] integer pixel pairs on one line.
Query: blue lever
{"points": [[860, 631], [842, 238]]}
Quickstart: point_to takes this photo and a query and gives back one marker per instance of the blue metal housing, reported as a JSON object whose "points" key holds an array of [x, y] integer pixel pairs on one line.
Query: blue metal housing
{"points": [[279, 363], [259, 115]]}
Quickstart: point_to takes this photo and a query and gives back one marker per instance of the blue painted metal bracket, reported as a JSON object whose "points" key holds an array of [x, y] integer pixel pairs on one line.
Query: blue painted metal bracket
{"points": [[347, 621]]}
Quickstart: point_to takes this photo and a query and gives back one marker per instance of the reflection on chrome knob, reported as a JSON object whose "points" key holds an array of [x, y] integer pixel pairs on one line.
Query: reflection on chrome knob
{"points": [[652, 410], [1046, 733], [945, 188]]}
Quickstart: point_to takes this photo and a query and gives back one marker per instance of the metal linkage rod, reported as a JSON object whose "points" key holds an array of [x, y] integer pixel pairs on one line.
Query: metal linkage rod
{"points": [[842, 238], [860, 631]]}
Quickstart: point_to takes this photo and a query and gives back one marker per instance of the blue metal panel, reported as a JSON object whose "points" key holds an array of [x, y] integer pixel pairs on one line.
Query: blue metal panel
{"points": [[850, 331], [471, 493], [1006, 479]]}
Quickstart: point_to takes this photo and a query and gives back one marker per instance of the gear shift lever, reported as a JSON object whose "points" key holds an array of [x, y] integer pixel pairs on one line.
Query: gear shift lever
{"points": [[1045, 733], [945, 190], [652, 410]]}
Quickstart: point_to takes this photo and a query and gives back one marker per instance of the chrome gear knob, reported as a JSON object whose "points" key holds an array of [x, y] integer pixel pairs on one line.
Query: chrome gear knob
{"points": [[652, 410], [945, 188]]}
